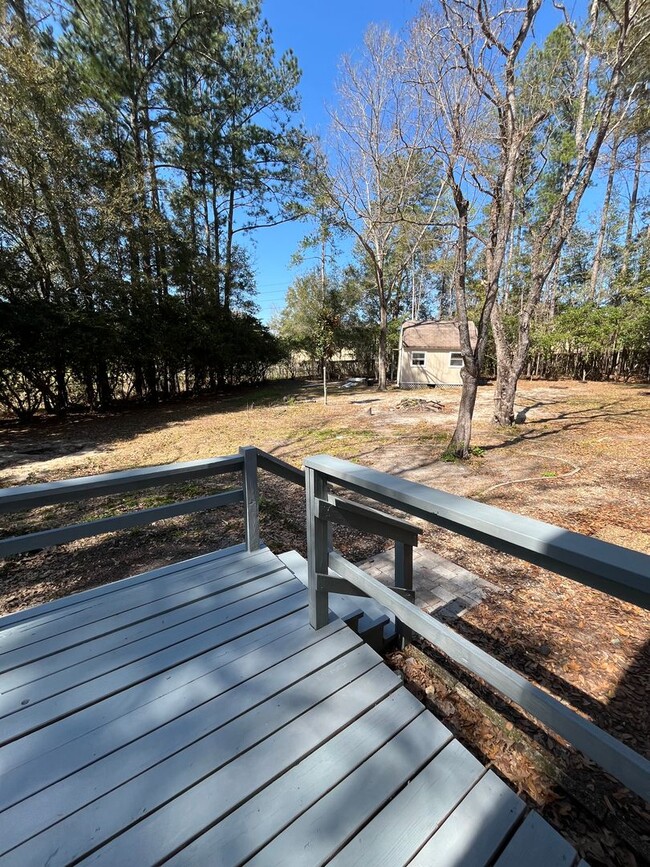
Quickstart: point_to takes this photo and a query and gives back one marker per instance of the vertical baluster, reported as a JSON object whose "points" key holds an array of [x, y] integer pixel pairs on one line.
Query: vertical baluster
{"points": [[403, 579], [317, 548], [251, 498]]}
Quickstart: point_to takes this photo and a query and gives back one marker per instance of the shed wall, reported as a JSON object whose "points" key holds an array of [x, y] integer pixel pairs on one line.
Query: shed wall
{"points": [[436, 370]]}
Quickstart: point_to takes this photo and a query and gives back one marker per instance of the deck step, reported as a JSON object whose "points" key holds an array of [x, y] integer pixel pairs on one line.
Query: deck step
{"points": [[380, 636]]}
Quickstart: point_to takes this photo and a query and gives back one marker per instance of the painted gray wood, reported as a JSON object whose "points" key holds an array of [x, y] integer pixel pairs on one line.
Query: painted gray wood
{"points": [[92, 657], [404, 580], [612, 755], [615, 570], [74, 699], [536, 844], [60, 607], [141, 518], [70, 838], [476, 828], [341, 605], [281, 468], [399, 830], [192, 812], [318, 834], [342, 511], [236, 698], [85, 487], [317, 549], [251, 498], [243, 832], [131, 606], [66, 745]]}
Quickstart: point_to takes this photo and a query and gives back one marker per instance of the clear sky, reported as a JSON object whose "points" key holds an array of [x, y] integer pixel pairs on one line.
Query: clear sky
{"points": [[318, 33]]}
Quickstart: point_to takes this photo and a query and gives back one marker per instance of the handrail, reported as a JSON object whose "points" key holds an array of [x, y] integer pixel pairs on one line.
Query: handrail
{"points": [[280, 468], [611, 568], [86, 487], [615, 757]]}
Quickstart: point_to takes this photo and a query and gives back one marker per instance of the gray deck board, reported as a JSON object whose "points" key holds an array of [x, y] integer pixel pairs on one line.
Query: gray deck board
{"points": [[65, 605], [47, 767], [45, 747], [473, 833], [192, 714], [396, 834], [92, 647], [318, 834], [279, 601], [75, 792], [21, 643], [242, 833], [536, 844], [170, 778]]}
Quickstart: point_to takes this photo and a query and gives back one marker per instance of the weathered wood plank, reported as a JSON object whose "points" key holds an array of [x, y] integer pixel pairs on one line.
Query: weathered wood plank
{"points": [[86, 487], [287, 599], [234, 698], [536, 844], [246, 830], [615, 570], [399, 830], [136, 607], [70, 839], [173, 826], [44, 678], [61, 607], [64, 746], [321, 831], [476, 829], [61, 535], [612, 755]]}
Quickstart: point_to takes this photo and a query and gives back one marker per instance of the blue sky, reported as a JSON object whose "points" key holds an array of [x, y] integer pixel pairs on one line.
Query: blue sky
{"points": [[319, 33]]}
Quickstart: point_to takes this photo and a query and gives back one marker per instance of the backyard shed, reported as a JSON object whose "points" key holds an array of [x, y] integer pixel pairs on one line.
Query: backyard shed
{"points": [[430, 353]]}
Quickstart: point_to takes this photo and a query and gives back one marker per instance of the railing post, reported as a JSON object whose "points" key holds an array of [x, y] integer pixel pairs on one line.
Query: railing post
{"points": [[404, 580], [317, 548], [251, 498]]}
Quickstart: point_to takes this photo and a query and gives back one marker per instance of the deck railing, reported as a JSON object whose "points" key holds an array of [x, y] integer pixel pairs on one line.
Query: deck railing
{"points": [[610, 568], [85, 488], [614, 570]]}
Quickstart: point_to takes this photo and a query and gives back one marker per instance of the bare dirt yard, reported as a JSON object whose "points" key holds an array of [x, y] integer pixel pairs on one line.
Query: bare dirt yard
{"points": [[580, 458]]}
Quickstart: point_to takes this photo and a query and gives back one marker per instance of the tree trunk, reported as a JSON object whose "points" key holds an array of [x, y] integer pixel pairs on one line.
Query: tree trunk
{"points": [[383, 344], [460, 442], [604, 219], [634, 195]]}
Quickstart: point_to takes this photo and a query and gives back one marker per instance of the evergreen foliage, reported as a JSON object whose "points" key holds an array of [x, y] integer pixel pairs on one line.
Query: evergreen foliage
{"points": [[138, 142]]}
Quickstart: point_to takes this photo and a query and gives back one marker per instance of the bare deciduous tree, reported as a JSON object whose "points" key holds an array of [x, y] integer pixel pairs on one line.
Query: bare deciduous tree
{"points": [[380, 179]]}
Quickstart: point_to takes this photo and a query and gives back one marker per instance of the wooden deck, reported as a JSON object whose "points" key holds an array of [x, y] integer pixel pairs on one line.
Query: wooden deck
{"points": [[191, 715]]}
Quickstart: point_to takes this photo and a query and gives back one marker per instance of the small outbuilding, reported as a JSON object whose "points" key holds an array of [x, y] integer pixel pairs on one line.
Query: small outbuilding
{"points": [[429, 353]]}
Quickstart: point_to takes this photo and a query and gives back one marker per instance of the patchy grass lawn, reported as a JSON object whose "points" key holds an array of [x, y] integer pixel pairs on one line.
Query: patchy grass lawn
{"points": [[580, 459]]}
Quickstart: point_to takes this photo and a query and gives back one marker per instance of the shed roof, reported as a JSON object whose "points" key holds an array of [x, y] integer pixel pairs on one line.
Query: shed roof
{"points": [[434, 334]]}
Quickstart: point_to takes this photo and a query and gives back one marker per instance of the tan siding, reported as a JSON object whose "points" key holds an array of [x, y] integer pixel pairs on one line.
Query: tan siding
{"points": [[436, 370]]}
